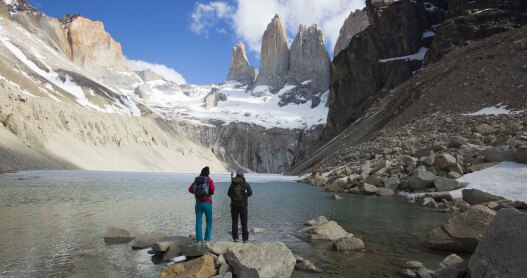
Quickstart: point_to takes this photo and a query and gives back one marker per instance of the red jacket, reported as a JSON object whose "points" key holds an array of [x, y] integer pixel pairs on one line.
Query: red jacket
{"points": [[211, 191]]}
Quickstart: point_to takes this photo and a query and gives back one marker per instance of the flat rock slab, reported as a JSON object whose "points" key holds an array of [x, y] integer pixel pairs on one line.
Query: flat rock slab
{"points": [[264, 260], [327, 231], [116, 235], [147, 240], [180, 240], [195, 250], [202, 267]]}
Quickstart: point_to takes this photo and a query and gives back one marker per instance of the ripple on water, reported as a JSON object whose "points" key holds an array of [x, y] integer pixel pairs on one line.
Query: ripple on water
{"points": [[57, 220]]}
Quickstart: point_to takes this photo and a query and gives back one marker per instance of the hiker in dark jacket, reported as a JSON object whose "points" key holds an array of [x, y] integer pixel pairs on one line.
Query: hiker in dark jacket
{"points": [[239, 192], [203, 189]]}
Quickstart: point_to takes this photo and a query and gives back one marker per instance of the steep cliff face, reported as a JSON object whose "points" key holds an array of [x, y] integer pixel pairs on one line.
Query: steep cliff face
{"points": [[240, 70], [252, 147], [274, 61], [91, 46], [309, 59], [356, 22], [378, 59], [475, 20]]}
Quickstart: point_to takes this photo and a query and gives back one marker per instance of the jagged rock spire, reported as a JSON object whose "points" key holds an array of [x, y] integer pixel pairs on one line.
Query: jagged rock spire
{"points": [[274, 63], [240, 69], [355, 23], [309, 59]]}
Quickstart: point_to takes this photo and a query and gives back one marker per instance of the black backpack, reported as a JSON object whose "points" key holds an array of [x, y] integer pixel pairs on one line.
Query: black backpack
{"points": [[201, 188], [239, 192]]}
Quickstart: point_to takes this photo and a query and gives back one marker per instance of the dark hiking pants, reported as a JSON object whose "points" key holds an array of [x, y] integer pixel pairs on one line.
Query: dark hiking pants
{"points": [[239, 211]]}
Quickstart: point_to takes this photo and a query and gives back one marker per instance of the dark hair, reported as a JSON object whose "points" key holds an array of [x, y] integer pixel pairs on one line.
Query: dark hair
{"points": [[205, 171]]}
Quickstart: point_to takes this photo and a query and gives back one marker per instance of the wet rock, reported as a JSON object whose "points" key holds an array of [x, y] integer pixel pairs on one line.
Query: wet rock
{"points": [[462, 232], [452, 266], [171, 252], [476, 196], [521, 155], [337, 197], [320, 181], [317, 221], [369, 189], [338, 185], [147, 240], [446, 184], [256, 231], [307, 265], [439, 196], [454, 175], [348, 244], [429, 202], [408, 273], [116, 235], [202, 267], [374, 180], [413, 264], [421, 180], [382, 191], [423, 273], [503, 249], [327, 231], [271, 259], [391, 183]]}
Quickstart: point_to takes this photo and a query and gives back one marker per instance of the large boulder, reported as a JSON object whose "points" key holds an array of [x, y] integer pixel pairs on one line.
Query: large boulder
{"points": [[327, 231], [240, 70], [348, 244], [452, 266], [391, 183], [421, 180], [220, 248], [338, 185], [171, 252], [116, 235], [499, 154], [369, 189], [382, 191], [272, 259], [448, 162], [462, 232], [503, 249], [195, 250], [317, 221], [476, 196], [147, 240], [521, 154], [202, 267], [446, 184]]}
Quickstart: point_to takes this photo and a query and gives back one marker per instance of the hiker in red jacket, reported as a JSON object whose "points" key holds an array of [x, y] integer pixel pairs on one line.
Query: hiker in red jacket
{"points": [[203, 189]]}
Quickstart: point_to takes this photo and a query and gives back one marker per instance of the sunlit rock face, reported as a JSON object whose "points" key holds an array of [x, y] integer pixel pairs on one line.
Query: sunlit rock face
{"points": [[309, 59], [240, 70], [355, 23], [274, 63]]}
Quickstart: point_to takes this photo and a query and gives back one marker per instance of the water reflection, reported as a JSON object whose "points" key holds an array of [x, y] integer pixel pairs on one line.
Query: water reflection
{"points": [[51, 223]]}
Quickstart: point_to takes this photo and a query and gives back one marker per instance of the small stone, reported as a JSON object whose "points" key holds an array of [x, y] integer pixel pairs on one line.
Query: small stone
{"points": [[382, 191], [348, 244], [408, 273], [255, 231], [369, 189], [337, 197]]}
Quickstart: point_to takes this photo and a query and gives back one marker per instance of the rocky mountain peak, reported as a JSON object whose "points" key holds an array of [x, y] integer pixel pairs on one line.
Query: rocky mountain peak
{"points": [[274, 63], [68, 18], [309, 60], [354, 23], [148, 75], [16, 6], [240, 70]]}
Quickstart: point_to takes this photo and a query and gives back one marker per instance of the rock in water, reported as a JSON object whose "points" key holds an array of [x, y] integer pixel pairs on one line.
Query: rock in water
{"points": [[171, 252], [274, 62], [271, 259], [462, 232], [348, 244], [327, 231], [309, 59], [317, 221], [202, 267], [446, 184], [503, 249], [451, 267], [147, 240], [116, 235], [421, 180], [240, 69], [354, 23]]}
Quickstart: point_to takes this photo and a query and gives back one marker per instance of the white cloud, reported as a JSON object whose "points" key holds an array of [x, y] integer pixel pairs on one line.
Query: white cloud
{"points": [[205, 16], [169, 74], [249, 18]]}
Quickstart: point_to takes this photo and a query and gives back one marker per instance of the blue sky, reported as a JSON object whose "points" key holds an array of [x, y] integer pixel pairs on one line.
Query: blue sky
{"points": [[196, 37]]}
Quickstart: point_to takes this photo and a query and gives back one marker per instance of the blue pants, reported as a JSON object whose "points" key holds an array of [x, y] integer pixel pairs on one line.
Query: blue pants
{"points": [[200, 209]]}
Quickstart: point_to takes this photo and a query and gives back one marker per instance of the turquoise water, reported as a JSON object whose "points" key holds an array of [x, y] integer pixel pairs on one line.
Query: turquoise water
{"points": [[52, 223]]}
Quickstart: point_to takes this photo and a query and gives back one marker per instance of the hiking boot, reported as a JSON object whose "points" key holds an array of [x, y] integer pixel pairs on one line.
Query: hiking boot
{"points": [[245, 241]]}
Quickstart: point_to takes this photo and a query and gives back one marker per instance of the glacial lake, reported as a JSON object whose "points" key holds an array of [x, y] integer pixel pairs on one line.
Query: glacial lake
{"points": [[52, 223]]}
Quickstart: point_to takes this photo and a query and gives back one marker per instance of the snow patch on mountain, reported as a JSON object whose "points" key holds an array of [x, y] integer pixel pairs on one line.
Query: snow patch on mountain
{"points": [[492, 110], [419, 56]]}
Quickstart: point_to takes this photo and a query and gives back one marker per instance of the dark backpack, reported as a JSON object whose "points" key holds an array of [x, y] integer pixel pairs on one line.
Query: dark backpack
{"points": [[239, 192], [201, 188]]}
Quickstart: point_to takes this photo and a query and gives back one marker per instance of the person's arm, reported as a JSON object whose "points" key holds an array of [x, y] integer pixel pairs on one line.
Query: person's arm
{"points": [[249, 190], [229, 192], [191, 188], [211, 187]]}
